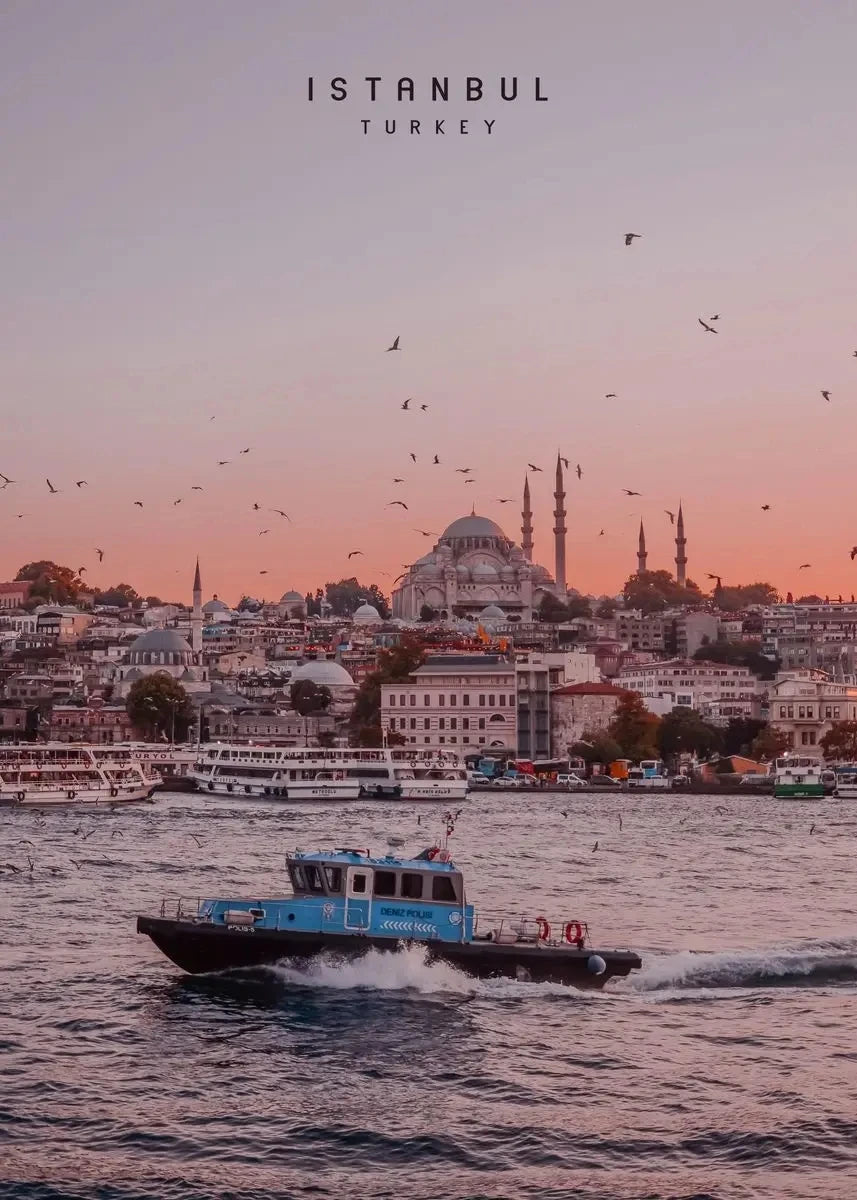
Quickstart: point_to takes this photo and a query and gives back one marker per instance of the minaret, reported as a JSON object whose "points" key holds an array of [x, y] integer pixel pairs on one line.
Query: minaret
{"points": [[196, 619], [680, 555], [527, 526], [641, 551], [559, 530]]}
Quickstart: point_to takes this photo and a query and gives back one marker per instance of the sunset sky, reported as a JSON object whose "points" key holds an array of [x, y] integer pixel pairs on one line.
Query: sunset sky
{"points": [[186, 237]]}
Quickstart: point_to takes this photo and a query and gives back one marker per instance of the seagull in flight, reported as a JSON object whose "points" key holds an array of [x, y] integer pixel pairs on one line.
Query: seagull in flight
{"points": [[53, 491], [716, 317], [395, 345], [138, 503], [717, 577], [398, 480], [766, 508], [502, 500], [280, 513], [707, 328], [610, 396], [579, 470], [406, 406], [853, 553], [400, 503], [353, 552], [423, 408], [826, 396], [629, 237], [601, 533], [671, 516], [256, 506], [435, 461], [194, 487], [175, 502], [470, 481], [6, 479], [533, 467], [628, 492], [222, 462], [803, 566], [462, 470], [81, 483], [263, 572], [413, 456], [261, 531], [426, 532], [100, 554], [80, 570]]}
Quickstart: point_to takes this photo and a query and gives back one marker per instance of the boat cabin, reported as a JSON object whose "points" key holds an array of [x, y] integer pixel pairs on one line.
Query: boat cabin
{"points": [[382, 879]]}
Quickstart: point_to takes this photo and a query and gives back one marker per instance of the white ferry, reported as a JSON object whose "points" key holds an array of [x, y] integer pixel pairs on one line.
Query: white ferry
{"points": [[63, 773], [798, 778], [313, 773]]}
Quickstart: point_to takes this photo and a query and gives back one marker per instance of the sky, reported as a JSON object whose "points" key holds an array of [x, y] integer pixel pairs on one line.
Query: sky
{"points": [[198, 260]]}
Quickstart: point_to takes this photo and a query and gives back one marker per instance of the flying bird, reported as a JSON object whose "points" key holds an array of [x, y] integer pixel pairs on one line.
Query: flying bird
{"points": [[175, 502], [261, 531], [462, 470], [280, 513], [100, 554], [533, 467], [595, 847], [6, 479], [610, 396], [263, 572], [53, 491], [601, 533], [436, 461], [256, 506], [425, 532], [803, 566], [245, 451], [826, 396], [671, 516], [853, 553], [423, 408], [400, 503], [564, 461], [717, 577], [470, 481], [707, 328], [766, 508], [716, 317], [80, 570], [138, 503], [406, 405], [504, 500], [629, 237], [353, 552], [81, 483], [398, 481], [628, 492], [194, 487], [413, 456], [222, 462], [579, 470], [395, 345]]}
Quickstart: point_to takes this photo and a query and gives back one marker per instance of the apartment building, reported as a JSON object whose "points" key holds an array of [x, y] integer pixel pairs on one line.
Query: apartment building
{"points": [[806, 704], [718, 692]]}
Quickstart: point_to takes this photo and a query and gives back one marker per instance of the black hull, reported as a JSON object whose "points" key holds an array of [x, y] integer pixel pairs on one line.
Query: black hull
{"points": [[200, 947]]}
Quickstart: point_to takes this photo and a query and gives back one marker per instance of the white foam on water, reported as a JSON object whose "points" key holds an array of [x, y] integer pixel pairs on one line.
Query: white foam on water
{"points": [[828, 961], [380, 970]]}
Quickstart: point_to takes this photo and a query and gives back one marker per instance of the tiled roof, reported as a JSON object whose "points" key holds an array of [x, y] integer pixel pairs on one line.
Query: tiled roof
{"points": [[589, 689]]}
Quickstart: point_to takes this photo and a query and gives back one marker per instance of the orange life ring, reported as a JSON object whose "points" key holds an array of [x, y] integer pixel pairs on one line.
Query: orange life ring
{"points": [[544, 929], [433, 853], [574, 933]]}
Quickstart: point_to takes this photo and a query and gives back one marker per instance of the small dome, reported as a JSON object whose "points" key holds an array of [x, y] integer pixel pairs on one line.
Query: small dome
{"points": [[157, 641], [215, 606], [473, 526], [427, 565], [484, 571], [367, 614], [292, 597], [493, 611], [323, 671], [539, 572], [507, 573], [462, 572]]}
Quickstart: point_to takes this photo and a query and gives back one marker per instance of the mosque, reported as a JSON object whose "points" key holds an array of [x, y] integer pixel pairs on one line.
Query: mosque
{"points": [[475, 570]]}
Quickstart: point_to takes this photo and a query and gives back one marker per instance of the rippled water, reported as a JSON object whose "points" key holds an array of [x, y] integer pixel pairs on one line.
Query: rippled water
{"points": [[727, 1067]]}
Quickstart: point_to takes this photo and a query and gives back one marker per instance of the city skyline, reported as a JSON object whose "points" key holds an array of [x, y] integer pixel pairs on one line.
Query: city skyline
{"points": [[234, 252]]}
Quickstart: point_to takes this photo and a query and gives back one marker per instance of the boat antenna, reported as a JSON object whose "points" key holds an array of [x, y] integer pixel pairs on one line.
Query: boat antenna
{"points": [[449, 819]]}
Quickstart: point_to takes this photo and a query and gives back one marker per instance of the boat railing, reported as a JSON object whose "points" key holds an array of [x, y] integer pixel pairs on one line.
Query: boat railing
{"points": [[540, 930]]}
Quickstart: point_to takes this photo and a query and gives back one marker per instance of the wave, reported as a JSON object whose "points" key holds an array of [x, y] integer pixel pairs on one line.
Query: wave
{"points": [[378, 970], [817, 965]]}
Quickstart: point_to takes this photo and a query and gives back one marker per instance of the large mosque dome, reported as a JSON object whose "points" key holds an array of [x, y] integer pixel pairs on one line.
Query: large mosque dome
{"points": [[160, 647], [470, 527], [323, 671]]}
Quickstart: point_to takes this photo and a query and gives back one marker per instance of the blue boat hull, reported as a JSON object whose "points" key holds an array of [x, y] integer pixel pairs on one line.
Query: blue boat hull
{"points": [[200, 947]]}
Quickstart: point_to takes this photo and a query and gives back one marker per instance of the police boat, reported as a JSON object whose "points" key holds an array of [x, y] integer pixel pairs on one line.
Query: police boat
{"points": [[346, 902]]}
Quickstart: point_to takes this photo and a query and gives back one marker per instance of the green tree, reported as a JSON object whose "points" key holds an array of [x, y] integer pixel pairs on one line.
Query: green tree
{"points": [[427, 613], [579, 606], [810, 599], [551, 610], [840, 742], [733, 599], [634, 728], [51, 583], [395, 665], [683, 731], [346, 596], [653, 591], [606, 608], [154, 602], [596, 747], [160, 707], [740, 733], [769, 743], [120, 596], [309, 699], [739, 654]]}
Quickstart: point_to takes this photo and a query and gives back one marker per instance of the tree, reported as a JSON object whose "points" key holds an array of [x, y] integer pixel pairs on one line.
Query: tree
{"points": [[840, 742], [160, 707], [740, 733], [51, 583], [427, 613], [683, 731], [770, 743], [634, 727], [733, 599], [346, 596], [653, 591], [395, 665], [596, 747], [606, 608], [154, 602], [739, 654], [578, 606], [120, 596], [810, 599], [309, 699], [551, 610]]}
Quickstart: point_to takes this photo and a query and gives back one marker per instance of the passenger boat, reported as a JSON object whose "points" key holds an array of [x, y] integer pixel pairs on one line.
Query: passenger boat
{"points": [[345, 902], [845, 785], [798, 778], [650, 775], [63, 773], [313, 773]]}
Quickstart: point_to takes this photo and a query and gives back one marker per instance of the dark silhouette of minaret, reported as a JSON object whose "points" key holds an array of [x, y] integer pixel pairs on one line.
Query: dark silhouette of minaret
{"points": [[196, 618], [680, 555], [527, 525], [559, 530], [641, 551]]}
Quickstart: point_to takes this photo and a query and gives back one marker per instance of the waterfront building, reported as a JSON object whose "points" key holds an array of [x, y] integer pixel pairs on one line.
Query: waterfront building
{"points": [[716, 691], [580, 708], [806, 704]]}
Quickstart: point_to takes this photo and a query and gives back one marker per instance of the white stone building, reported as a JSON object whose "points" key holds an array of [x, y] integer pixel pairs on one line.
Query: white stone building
{"points": [[717, 691]]}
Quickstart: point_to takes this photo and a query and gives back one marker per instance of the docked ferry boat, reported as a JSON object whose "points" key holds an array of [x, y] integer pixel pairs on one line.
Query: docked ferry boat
{"points": [[345, 902], [64, 773], [798, 778], [313, 773]]}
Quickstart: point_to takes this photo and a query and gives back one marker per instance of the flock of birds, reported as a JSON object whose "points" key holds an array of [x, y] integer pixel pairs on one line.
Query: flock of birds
{"points": [[707, 325]]}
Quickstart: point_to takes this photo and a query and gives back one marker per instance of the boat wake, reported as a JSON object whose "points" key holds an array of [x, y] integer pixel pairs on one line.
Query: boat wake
{"points": [[406, 970], [817, 965]]}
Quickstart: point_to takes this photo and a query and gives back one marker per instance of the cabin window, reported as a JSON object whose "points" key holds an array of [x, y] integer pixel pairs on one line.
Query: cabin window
{"points": [[385, 883], [412, 886], [358, 883], [442, 889], [333, 875], [298, 878], [313, 878]]}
